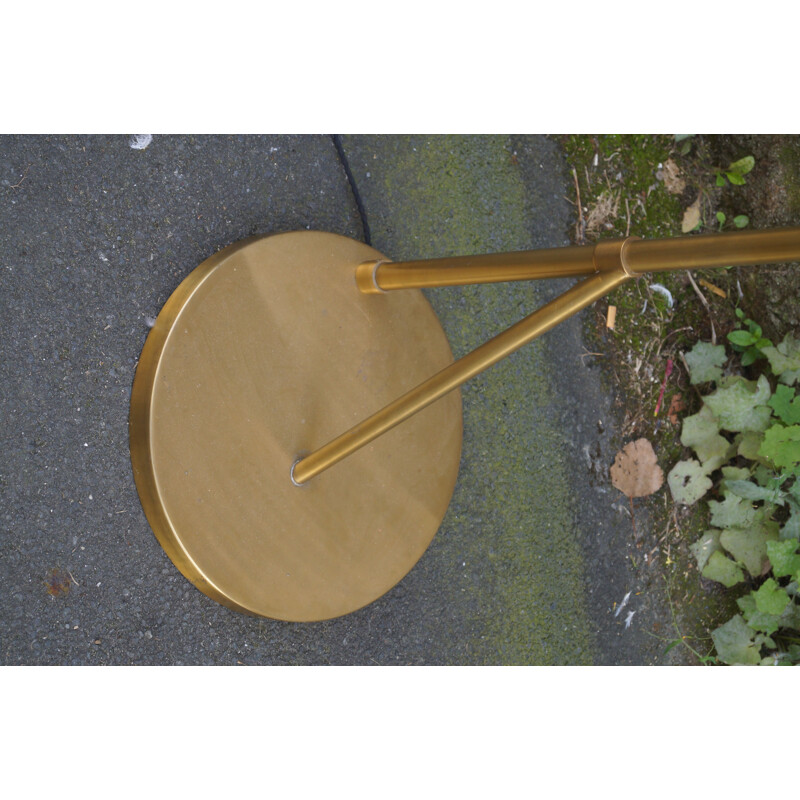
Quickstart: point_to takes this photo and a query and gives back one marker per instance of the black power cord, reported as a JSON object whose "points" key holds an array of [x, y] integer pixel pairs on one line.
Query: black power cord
{"points": [[337, 143]]}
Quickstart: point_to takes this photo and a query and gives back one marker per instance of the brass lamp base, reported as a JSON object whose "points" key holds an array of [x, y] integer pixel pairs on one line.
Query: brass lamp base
{"points": [[266, 351]]}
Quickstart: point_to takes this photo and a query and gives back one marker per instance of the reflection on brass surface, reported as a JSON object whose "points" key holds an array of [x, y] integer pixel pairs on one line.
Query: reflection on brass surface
{"points": [[266, 350]]}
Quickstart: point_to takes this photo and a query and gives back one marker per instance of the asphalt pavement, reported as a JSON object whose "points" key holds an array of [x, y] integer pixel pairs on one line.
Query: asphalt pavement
{"points": [[95, 234]]}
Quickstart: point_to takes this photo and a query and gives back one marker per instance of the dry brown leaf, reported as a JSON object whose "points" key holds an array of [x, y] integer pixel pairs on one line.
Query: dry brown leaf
{"points": [[691, 217], [635, 471], [676, 405], [673, 182]]}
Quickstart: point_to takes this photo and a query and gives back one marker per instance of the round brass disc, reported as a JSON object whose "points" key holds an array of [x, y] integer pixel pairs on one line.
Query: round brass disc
{"points": [[264, 353]]}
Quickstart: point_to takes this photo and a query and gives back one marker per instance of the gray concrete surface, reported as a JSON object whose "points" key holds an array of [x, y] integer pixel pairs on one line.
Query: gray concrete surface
{"points": [[95, 235]]}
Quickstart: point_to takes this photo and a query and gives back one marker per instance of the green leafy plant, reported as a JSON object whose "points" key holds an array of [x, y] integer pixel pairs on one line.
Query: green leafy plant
{"points": [[735, 172], [739, 221], [748, 339], [746, 439]]}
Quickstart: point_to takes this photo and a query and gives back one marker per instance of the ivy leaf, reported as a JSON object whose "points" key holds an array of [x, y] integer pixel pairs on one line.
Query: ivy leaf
{"points": [[791, 528], [749, 445], [785, 405], [768, 623], [721, 569], [771, 598], [784, 557], [751, 491], [785, 359], [739, 406], [764, 476], [701, 432], [705, 362], [734, 474], [781, 446], [688, 482], [749, 545], [790, 618], [758, 620], [732, 512], [734, 643], [702, 549]]}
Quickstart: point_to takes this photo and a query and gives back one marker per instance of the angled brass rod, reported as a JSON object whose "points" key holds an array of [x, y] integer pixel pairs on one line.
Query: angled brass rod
{"points": [[655, 255], [502, 345]]}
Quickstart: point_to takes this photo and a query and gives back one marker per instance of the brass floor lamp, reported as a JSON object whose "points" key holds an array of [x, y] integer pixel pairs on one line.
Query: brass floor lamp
{"points": [[265, 414]]}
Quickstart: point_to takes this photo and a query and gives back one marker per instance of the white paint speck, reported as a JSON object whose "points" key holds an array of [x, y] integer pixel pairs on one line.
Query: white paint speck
{"points": [[140, 140]]}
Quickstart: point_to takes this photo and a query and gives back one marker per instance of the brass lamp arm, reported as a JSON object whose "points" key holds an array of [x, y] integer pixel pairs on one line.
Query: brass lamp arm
{"points": [[608, 263]]}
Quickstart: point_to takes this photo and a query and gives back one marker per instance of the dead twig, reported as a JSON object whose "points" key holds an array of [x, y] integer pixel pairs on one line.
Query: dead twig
{"points": [[671, 333], [587, 353], [24, 175], [580, 228], [628, 212], [705, 303]]}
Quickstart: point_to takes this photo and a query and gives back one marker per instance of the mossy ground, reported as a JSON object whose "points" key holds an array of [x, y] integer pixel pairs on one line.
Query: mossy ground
{"points": [[641, 185], [506, 546]]}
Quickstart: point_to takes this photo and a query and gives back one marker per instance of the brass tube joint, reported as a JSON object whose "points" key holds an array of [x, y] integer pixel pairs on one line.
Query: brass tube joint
{"points": [[610, 256]]}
